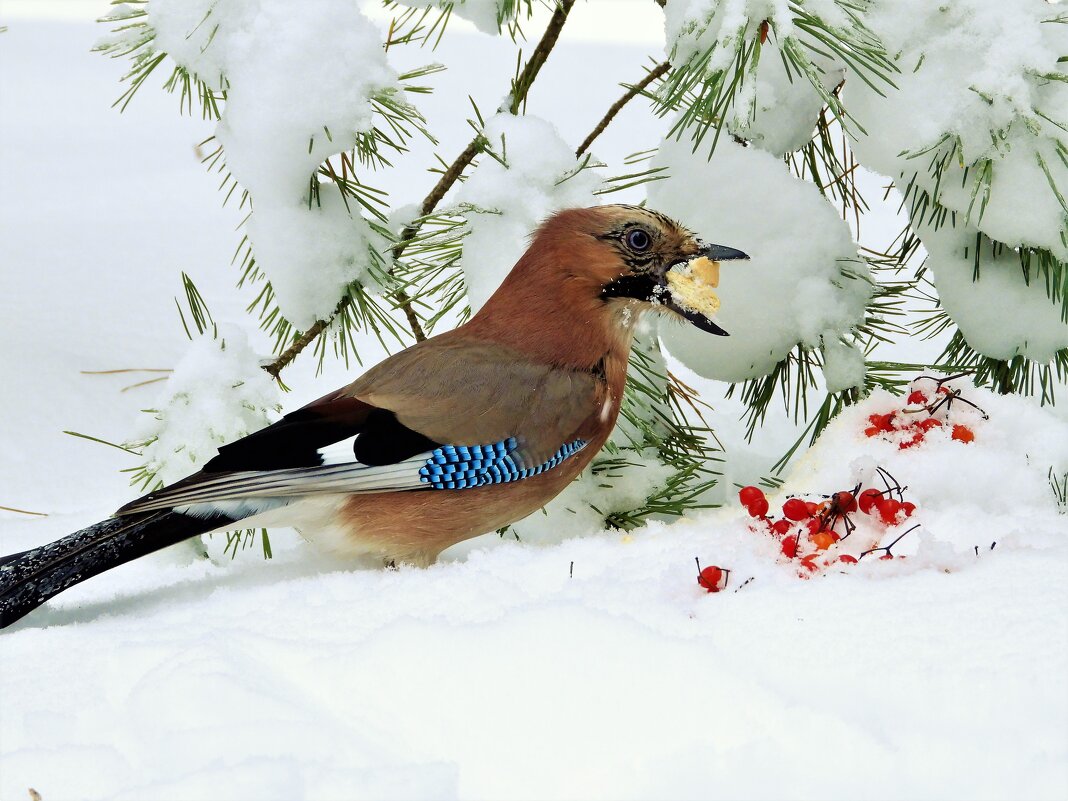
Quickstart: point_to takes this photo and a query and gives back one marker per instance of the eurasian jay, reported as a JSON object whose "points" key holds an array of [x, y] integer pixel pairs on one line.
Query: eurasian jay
{"points": [[454, 437]]}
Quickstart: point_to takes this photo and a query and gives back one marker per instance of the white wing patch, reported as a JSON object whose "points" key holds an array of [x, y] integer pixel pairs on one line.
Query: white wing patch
{"points": [[339, 452]]}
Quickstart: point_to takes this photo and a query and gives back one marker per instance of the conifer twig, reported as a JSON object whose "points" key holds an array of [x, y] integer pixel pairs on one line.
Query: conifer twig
{"points": [[632, 92], [520, 89], [127, 370], [23, 511]]}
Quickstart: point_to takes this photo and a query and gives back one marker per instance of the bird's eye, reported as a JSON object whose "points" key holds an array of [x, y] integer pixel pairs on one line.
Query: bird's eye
{"points": [[637, 240]]}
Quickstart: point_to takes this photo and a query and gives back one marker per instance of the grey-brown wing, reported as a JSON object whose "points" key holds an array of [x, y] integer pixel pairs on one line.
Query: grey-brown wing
{"points": [[465, 393]]}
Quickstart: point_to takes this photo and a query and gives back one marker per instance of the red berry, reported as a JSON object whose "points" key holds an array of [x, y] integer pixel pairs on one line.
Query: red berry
{"points": [[883, 422], [781, 527], [809, 562], [915, 439], [963, 434], [929, 423], [908, 508], [942, 390], [916, 397], [871, 431], [889, 510], [851, 560], [789, 547], [869, 499], [749, 494], [813, 508], [795, 509], [711, 577], [886, 556], [813, 525], [846, 502], [758, 508]]}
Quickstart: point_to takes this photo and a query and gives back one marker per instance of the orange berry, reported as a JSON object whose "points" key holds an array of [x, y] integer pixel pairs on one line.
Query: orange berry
{"points": [[963, 434], [822, 540]]}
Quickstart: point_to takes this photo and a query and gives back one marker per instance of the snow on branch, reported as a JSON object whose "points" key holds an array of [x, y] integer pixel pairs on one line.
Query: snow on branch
{"points": [[979, 147], [489, 16], [764, 68]]}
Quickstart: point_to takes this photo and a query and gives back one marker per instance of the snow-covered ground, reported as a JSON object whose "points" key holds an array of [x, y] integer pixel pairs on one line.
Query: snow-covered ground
{"points": [[569, 668]]}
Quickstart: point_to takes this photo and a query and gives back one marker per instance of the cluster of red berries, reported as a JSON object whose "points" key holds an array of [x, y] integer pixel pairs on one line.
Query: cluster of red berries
{"points": [[927, 406], [808, 529]]}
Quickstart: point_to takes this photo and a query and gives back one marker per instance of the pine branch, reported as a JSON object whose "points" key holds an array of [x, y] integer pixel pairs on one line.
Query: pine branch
{"points": [[520, 87], [702, 89]]}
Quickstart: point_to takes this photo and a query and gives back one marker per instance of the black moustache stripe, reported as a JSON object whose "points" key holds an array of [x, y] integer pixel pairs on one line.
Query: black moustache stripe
{"points": [[638, 286]]}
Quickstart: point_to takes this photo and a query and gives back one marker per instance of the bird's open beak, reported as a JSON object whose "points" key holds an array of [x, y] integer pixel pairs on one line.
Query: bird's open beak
{"points": [[686, 286]]}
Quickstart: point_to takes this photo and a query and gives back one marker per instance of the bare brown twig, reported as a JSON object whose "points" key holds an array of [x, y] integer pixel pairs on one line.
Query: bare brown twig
{"points": [[632, 92]]}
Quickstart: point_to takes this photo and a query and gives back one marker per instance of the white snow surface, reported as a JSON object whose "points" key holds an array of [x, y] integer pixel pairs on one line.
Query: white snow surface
{"points": [[589, 667], [586, 667], [785, 294]]}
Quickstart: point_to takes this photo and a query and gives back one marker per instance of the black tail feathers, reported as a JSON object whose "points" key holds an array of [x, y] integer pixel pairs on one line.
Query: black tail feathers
{"points": [[30, 578]]}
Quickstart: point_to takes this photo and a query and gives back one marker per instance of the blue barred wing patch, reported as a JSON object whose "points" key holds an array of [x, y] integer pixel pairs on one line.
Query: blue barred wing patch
{"points": [[465, 466]]}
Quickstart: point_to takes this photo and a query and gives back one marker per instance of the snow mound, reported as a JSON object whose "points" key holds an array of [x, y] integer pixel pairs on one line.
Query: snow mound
{"points": [[997, 482]]}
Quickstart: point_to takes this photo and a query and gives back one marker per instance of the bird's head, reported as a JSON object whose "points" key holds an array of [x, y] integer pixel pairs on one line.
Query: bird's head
{"points": [[637, 258], [587, 274]]}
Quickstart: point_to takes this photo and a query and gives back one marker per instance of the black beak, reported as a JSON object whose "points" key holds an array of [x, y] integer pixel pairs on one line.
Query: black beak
{"points": [[696, 318], [653, 287], [723, 253]]}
